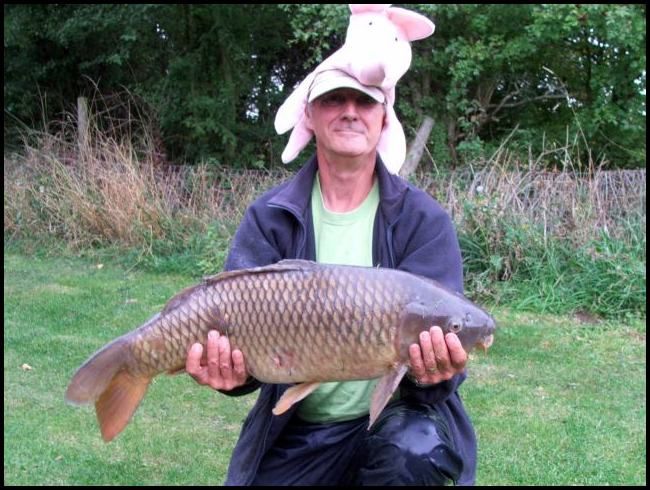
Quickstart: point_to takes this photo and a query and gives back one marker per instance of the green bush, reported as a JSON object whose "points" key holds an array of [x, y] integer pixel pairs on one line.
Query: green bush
{"points": [[515, 265]]}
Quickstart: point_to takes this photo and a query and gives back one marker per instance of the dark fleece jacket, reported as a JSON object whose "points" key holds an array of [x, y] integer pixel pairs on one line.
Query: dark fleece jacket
{"points": [[412, 232]]}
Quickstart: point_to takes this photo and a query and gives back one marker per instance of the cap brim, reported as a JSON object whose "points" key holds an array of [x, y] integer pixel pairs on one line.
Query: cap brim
{"points": [[333, 79]]}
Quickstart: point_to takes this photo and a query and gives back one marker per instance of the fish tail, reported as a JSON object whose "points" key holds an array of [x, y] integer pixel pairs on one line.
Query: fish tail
{"points": [[118, 402], [104, 379]]}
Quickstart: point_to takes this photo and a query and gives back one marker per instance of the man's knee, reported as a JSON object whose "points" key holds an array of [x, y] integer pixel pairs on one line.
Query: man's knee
{"points": [[409, 445]]}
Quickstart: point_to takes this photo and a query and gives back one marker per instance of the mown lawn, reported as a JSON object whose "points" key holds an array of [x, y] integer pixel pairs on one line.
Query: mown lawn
{"points": [[554, 402]]}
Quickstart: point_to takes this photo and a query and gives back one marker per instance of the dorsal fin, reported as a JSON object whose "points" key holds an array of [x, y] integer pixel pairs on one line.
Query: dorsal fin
{"points": [[179, 298], [293, 264], [281, 266]]}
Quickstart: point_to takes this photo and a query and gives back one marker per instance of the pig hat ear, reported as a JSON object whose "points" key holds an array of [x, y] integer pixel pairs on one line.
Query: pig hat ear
{"points": [[392, 142], [291, 114], [414, 26], [291, 111]]}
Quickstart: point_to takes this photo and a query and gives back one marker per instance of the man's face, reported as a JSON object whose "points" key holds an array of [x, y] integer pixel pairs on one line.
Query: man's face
{"points": [[346, 122]]}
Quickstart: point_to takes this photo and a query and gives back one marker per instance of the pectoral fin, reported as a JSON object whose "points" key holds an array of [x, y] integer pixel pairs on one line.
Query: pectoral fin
{"points": [[384, 390], [294, 395]]}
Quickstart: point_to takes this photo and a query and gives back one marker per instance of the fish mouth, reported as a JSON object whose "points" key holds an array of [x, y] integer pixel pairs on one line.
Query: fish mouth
{"points": [[485, 342]]}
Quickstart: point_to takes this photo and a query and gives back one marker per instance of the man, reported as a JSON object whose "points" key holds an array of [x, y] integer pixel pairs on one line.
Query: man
{"points": [[344, 207]]}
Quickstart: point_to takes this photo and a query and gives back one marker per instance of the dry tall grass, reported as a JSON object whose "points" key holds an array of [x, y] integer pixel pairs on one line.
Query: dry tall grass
{"points": [[574, 204], [113, 191]]}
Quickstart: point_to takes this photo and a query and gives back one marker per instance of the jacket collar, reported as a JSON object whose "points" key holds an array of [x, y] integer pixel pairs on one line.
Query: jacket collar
{"points": [[392, 190], [295, 196]]}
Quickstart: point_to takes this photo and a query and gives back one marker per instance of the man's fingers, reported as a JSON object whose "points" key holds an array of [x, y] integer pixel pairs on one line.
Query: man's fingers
{"points": [[238, 366], [440, 349], [225, 365], [213, 354], [220, 368], [193, 362], [428, 354], [437, 357], [458, 356], [415, 358]]}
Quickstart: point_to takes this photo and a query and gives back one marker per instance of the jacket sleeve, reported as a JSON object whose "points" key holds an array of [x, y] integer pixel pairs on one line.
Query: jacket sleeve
{"points": [[426, 244], [252, 246]]}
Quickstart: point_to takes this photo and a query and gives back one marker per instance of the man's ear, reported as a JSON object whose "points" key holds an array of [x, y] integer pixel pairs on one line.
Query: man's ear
{"points": [[307, 119]]}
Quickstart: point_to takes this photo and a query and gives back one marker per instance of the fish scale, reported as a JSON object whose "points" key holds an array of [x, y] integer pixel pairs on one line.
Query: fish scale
{"points": [[294, 322]]}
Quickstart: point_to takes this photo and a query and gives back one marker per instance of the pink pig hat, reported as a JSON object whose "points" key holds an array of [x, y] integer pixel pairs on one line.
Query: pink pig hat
{"points": [[375, 55]]}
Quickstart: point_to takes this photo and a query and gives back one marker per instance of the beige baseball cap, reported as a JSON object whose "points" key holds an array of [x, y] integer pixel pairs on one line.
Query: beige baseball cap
{"points": [[329, 80]]}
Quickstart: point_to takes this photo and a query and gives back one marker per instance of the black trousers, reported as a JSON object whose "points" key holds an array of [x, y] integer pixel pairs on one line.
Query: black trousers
{"points": [[408, 445]]}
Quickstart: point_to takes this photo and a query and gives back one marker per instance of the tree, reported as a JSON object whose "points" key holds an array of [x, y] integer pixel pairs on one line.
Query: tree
{"points": [[52, 51], [541, 68], [214, 75]]}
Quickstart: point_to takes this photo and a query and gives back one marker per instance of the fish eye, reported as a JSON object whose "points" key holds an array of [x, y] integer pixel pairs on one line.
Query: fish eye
{"points": [[455, 325]]}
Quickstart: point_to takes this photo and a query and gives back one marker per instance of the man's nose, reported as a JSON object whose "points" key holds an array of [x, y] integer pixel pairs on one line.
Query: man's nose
{"points": [[350, 109]]}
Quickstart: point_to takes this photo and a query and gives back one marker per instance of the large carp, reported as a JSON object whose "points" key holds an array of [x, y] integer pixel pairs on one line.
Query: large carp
{"points": [[295, 322]]}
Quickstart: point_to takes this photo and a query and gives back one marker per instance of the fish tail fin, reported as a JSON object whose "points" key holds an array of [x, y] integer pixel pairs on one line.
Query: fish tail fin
{"points": [[118, 402], [103, 379]]}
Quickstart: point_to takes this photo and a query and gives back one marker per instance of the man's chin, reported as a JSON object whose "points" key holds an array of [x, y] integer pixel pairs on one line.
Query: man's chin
{"points": [[351, 148], [349, 153]]}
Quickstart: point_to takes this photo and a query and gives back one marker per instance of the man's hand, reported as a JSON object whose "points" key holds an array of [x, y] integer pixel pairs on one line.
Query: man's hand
{"points": [[437, 357], [223, 371]]}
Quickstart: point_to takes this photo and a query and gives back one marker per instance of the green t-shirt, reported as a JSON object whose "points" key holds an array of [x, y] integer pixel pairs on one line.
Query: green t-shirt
{"points": [[341, 238]]}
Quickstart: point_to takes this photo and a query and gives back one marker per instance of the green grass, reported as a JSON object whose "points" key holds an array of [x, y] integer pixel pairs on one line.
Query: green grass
{"points": [[57, 312], [557, 402], [554, 401]]}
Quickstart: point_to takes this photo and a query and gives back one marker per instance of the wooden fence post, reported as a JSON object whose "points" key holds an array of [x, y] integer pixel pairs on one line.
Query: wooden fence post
{"points": [[414, 154], [82, 123]]}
